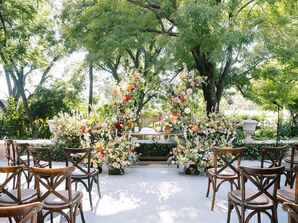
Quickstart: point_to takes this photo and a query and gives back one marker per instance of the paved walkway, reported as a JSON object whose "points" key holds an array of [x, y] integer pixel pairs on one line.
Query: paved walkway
{"points": [[157, 193]]}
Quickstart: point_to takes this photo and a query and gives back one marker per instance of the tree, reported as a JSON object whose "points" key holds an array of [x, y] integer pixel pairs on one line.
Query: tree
{"points": [[116, 48], [28, 46], [275, 79], [214, 36]]}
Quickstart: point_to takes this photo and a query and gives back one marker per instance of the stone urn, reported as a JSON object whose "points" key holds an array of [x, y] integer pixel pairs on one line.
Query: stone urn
{"points": [[249, 127], [53, 125]]}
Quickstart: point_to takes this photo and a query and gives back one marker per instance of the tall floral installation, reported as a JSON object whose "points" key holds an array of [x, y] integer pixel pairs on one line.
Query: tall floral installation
{"points": [[200, 133], [111, 140]]}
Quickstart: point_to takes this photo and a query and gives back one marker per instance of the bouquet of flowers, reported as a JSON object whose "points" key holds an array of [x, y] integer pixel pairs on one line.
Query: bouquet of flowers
{"points": [[117, 153], [194, 150]]}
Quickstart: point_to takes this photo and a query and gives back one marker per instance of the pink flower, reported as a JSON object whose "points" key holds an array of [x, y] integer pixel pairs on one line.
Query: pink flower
{"points": [[189, 91], [176, 100], [192, 83], [115, 92]]}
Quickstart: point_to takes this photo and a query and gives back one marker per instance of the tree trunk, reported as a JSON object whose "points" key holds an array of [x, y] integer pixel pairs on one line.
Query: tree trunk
{"points": [[207, 70], [26, 107], [90, 101]]}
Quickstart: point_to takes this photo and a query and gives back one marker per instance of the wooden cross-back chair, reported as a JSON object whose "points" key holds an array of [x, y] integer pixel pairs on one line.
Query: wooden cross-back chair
{"points": [[292, 209], [10, 152], [56, 200], [41, 156], [273, 156], [262, 199], [24, 159], [22, 213], [290, 166], [225, 173], [289, 194], [14, 196], [80, 158]]}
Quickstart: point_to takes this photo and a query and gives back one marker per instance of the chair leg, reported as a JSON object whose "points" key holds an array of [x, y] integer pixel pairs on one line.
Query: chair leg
{"points": [[97, 183], [231, 185], [274, 215], [81, 212], [52, 218], [242, 215], [259, 217], [89, 189], [230, 207], [208, 188], [214, 193]]}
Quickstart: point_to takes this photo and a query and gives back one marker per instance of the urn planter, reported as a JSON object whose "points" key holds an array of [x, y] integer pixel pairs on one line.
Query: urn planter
{"points": [[249, 127]]}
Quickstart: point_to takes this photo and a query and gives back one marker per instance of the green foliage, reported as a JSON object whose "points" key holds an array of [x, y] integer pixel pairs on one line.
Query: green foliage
{"points": [[147, 150], [265, 132], [252, 151], [48, 102], [14, 122]]}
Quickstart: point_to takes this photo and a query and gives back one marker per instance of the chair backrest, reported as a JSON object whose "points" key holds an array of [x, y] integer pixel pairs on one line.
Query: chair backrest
{"points": [[296, 185], [41, 154], [265, 180], [78, 157], [228, 156], [51, 179], [10, 152], [22, 148], [22, 213], [12, 172], [274, 155], [292, 210], [294, 150]]}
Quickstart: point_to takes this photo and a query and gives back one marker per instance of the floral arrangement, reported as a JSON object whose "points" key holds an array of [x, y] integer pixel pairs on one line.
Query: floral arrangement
{"points": [[125, 100], [117, 153], [168, 124], [182, 99], [193, 151], [76, 130]]}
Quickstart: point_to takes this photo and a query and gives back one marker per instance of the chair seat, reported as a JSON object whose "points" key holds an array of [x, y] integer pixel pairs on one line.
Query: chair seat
{"points": [[24, 158], [260, 200], [26, 196], [53, 200], [228, 172], [43, 164], [286, 195], [80, 174]]}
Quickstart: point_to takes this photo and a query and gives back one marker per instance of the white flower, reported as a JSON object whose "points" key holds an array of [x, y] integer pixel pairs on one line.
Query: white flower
{"points": [[158, 128], [187, 110]]}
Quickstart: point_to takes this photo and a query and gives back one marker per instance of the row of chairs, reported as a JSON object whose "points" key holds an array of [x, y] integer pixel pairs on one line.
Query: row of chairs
{"points": [[265, 178], [47, 192], [36, 163]]}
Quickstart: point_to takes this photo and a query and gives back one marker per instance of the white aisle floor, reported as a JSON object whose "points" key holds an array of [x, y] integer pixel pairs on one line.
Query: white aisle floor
{"points": [[157, 193]]}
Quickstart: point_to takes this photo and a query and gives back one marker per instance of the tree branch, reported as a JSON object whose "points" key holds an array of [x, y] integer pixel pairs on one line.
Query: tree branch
{"points": [[160, 32], [155, 8]]}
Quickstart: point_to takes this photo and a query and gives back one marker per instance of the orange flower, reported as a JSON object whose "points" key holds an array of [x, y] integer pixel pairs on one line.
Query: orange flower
{"points": [[100, 149], [173, 119], [177, 114], [182, 76], [131, 87], [195, 128], [182, 87]]}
